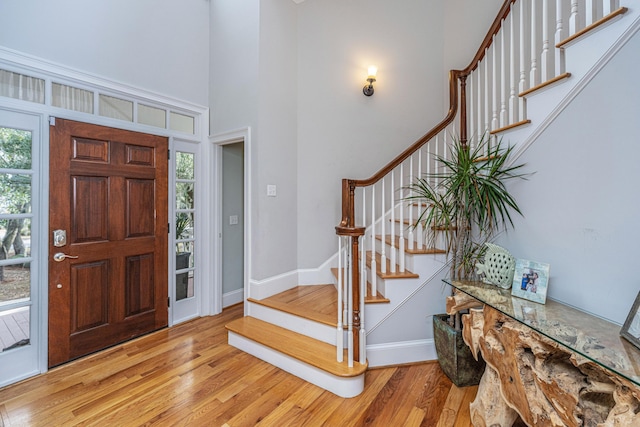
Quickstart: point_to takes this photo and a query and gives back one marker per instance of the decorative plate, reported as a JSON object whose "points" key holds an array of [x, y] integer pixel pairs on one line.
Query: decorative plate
{"points": [[498, 267]]}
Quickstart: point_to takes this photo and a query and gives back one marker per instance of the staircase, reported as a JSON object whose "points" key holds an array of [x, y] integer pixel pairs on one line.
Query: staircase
{"points": [[387, 276]]}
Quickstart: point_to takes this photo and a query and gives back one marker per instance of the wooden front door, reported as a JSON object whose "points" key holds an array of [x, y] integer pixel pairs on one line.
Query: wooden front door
{"points": [[108, 193]]}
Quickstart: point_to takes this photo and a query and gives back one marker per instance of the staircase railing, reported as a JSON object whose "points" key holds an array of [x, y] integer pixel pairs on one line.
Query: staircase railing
{"points": [[522, 52]]}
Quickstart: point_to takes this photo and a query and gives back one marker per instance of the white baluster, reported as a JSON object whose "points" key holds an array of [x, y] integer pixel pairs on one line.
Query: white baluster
{"points": [[504, 117], [607, 7], [479, 98], [487, 111], [374, 276], [545, 56], [559, 36], [589, 13], [383, 252], [494, 85], [533, 71], [410, 235], [419, 226], [573, 18], [350, 308], [513, 98], [522, 84], [401, 236], [339, 327], [471, 105], [363, 244], [393, 224], [362, 334]]}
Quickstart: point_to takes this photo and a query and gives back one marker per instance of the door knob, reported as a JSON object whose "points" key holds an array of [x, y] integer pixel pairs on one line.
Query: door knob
{"points": [[59, 257]]}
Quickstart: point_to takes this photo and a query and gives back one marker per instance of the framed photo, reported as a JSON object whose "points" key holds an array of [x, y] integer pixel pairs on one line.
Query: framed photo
{"points": [[530, 280], [631, 328]]}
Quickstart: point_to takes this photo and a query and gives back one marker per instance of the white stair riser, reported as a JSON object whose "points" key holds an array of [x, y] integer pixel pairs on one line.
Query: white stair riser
{"points": [[310, 328]]}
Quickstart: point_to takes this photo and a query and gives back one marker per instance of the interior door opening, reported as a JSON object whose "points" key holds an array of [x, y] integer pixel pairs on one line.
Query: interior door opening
{"points": [[233, 223]]}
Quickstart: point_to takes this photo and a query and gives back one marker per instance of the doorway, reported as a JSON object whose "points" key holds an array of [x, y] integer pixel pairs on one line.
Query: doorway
{"points": [[108, 219], [233, 222]]}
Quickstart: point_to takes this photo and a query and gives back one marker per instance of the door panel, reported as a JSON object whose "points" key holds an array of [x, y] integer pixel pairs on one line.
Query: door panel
{"points": [[108, 189]]}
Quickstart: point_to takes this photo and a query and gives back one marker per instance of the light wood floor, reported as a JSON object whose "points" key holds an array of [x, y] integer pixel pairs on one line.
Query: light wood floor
{"points": [[189, 376]]}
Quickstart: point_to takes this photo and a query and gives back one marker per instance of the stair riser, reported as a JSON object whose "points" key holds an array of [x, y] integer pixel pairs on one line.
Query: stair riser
{"points": [[294, 323], [341, 386]]}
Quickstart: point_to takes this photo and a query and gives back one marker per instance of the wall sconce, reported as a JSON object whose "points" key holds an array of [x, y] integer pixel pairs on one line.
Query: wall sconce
{"points": [[368, 89]]}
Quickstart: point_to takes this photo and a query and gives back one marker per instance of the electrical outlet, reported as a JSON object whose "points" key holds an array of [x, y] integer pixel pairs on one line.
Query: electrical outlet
{"points": [[271, 190], [233, 220]]}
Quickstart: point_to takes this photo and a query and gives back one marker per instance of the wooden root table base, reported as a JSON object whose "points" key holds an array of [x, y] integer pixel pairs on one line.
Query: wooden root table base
{"points": [[531, 376]]}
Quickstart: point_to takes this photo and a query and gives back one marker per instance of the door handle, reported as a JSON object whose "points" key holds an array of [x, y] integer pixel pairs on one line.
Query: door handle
{"points": [[59, 257]]}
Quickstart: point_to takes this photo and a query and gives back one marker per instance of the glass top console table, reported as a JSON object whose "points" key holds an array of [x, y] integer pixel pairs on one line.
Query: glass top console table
{"points": [[589, 336]]}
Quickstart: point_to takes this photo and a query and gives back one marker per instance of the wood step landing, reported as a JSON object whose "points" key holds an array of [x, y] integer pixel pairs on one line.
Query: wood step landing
{"points": [[415, 250], [369, 299], [307, 358], [314, 302], [388, 275]]}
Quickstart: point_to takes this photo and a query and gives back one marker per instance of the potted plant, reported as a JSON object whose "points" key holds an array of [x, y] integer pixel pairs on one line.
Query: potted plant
{"points": [[467, 202]]}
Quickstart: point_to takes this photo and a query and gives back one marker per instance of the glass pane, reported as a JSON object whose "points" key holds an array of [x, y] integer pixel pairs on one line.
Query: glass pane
{"points": [[182, 123], [15, 237], [15, 149], [152, 116], [17, 328], [15, 282], [116, 108], [184, 195], [184, 225], [181, 248], [72, 98], [15, 193], [19, 86], [184, 165], [184, 285]]}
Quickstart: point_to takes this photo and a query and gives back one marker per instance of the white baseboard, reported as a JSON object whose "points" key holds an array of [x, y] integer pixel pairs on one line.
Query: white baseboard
{"points": [[260, 289], [401, 352], [233, 297]]}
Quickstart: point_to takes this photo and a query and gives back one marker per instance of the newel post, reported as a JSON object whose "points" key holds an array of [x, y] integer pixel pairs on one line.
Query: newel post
{"points": [[347, 228]]}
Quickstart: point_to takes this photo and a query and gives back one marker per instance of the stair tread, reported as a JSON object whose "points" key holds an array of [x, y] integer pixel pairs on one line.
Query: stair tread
{"points": [[314, 302], [369, 299], [388, 275], [415, 250], [308, 350]]}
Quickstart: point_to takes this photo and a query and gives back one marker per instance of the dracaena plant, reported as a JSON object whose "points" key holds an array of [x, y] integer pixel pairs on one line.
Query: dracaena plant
{"points": [[466, 198]]}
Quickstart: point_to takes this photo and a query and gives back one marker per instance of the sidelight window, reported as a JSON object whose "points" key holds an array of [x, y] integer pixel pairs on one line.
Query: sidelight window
{"points": [[184, 223], [16, 173]]}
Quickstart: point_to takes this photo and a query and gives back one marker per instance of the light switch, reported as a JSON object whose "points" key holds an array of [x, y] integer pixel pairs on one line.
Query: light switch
{"points": [[271, 190], [233, 220]]}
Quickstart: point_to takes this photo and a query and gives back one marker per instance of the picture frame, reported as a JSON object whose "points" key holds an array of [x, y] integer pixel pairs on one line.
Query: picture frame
{"points": [[531, 280], [631, 328]]}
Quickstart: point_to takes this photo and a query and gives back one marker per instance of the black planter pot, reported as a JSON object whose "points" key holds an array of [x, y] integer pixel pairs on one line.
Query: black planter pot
{"points": [[454, 355]]}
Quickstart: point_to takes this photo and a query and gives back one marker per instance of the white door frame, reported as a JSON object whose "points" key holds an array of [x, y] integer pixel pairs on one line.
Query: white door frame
{"points": [[218, 141], [32, 359]]}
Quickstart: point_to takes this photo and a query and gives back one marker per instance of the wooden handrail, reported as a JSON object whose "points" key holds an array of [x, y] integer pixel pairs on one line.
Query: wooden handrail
{"points": [[451, 115]]}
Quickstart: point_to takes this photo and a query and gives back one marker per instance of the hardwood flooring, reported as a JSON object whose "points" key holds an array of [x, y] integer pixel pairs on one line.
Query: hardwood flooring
{"points": [[189, 376]]}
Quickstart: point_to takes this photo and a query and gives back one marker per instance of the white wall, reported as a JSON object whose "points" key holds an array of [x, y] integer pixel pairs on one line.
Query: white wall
{"points": [[342, 133], [581, 205], [158, 45], [253, 83]]}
